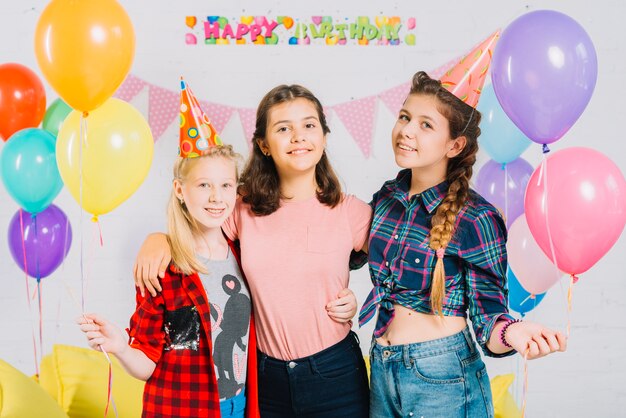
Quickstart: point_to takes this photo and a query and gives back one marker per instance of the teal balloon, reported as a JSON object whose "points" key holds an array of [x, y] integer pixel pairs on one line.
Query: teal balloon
{"points": [[55, 115], [499, 137], [519, 299], [29, 171]]}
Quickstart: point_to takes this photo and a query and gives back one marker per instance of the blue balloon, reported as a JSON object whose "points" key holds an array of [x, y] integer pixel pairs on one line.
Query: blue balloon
{"points": [[502, 140], [519, 298], [28, 167]]}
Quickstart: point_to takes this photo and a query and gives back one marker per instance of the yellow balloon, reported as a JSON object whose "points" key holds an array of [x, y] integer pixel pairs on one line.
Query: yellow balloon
{"points": [[116, 155], [84, 49]]}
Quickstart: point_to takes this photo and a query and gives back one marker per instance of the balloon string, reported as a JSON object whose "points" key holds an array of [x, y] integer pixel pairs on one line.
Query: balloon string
{"points": [[110, 399], [40, 314], [38, 278], [570, 291], [506, 194], [525, 387], [527, 299], [97, 222], [30, 309], [83, 137], [546, 202]]}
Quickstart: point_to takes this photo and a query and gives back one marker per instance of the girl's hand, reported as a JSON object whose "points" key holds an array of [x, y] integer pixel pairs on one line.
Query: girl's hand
{"points": [[101, 334], [151, 262], [537, 339], [343, 308]]}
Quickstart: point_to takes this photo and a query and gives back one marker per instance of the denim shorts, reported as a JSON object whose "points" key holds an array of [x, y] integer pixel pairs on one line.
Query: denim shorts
{"points": [[328, 384], [443, 378]]}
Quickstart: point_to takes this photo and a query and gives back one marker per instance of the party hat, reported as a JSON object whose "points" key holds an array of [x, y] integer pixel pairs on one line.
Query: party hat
{"points": [[197, 134], [465, 80]]}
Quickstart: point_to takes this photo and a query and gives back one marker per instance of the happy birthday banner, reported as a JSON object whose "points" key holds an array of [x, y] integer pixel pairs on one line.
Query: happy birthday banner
{"points": [[357, 115], [318, 30]]}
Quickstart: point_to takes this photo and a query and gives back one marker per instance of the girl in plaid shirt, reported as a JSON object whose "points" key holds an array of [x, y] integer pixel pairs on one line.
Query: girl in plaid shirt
{"points": [[437, 254], [171, 345]]}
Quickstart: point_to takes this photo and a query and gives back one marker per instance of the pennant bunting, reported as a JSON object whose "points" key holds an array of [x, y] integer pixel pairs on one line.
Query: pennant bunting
{"points": [[356, 115], [219, 114], [358, 118], [394, 97], [163, 109], [248, 122], [130, 88]]}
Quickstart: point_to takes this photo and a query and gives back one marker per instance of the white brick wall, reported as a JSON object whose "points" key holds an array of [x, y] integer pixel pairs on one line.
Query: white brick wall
{"points": [[587, 381]]}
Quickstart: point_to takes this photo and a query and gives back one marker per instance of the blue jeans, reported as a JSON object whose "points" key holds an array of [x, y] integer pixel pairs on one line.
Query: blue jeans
{"points": [[234, 407], [444, 378], [331, 383]]}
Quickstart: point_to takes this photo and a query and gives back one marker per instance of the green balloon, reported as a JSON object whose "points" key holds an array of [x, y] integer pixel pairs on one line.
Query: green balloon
{"points": [[55, 115], [271, 40]]}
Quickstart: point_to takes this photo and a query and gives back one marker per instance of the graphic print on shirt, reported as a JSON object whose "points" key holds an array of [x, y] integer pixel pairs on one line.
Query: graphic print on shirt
{"points": [[182, 329], [234, 322]]}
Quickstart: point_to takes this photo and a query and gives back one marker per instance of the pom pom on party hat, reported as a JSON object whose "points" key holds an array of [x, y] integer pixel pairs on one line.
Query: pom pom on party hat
{"points": [[197, 134], [466, 79]]}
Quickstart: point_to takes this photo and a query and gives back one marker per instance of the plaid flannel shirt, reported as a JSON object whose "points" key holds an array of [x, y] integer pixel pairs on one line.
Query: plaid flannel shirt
{"points": [[174, 330], [401, 263]]}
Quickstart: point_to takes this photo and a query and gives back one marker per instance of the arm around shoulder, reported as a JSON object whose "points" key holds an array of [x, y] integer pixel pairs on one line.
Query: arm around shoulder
{"points": [[151, 262]]}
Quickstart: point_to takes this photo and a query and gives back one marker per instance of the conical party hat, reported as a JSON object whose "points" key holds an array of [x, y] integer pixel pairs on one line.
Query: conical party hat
{"points": [[197, 134], [465, 80]]}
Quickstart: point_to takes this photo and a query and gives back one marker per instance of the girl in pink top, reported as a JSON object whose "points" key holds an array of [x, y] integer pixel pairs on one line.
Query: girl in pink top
{"points": [[297, 231]]}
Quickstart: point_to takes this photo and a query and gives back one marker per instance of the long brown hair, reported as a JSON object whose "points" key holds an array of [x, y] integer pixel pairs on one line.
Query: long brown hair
{"points": [[260, 181], [182, 228], [464, 121]]}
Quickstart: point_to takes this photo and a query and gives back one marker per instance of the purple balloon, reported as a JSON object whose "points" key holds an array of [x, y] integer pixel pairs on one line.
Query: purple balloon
{"points": [[504, 186], [544, 70], [47, 239]]}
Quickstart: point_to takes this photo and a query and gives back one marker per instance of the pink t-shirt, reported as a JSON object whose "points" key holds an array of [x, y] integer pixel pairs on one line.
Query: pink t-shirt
{"points": [[296, 261]]}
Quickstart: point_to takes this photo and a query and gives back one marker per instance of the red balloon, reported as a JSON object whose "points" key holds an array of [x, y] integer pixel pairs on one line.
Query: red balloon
{"points": [[22, 99]]}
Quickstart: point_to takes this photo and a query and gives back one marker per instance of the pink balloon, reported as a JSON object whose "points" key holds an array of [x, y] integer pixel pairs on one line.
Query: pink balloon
{"points": [[533, 269], [583, 207]]}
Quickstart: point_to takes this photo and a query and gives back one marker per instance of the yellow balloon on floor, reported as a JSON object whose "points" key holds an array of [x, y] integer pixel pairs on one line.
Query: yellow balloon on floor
{"points": [[116, 155], [84, 49]]}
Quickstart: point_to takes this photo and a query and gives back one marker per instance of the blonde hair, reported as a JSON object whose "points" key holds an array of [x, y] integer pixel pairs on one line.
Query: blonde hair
{"points": [[464, 121], [182, 228]]}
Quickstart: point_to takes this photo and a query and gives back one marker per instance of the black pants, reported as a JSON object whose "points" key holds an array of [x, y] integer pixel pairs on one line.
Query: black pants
{"points": [[331, 383]]}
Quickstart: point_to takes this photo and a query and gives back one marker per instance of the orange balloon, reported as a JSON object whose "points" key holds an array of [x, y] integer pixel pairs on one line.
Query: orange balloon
{"points": [[287, 22], [84, 49], [22, 99]]}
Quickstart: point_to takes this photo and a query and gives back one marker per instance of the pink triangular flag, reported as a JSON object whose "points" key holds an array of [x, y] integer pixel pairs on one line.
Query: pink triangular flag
{"points": [[163, 109], [248, 122], [358, 118], [394, 97], [130, 88], [219, 114]]}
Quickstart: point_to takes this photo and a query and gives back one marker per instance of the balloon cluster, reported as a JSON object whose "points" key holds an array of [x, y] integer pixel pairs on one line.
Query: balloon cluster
{"points": [[564, 215], [98, 146], [39, 233]]}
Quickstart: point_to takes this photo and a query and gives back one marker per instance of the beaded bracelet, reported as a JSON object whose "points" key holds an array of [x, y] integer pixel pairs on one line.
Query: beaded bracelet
{"points": [[509, 322]]}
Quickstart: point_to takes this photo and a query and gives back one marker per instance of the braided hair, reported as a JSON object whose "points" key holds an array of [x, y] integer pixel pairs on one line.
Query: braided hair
{"points": [[463, 121]]}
